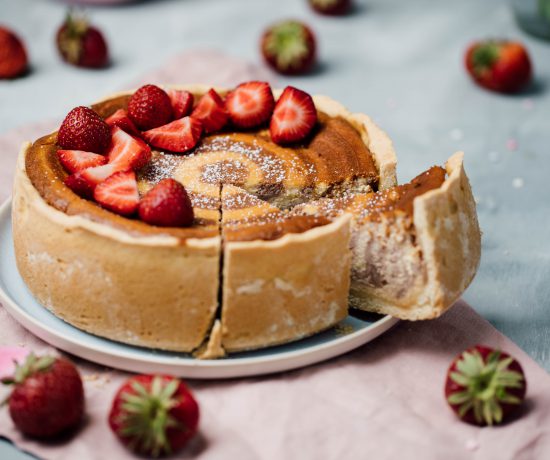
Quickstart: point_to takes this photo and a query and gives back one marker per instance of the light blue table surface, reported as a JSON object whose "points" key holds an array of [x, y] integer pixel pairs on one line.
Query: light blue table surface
{"points": [[398, 61]]}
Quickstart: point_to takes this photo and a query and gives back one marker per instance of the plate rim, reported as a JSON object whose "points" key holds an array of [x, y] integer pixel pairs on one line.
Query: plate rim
{"points": [[213, 369]]}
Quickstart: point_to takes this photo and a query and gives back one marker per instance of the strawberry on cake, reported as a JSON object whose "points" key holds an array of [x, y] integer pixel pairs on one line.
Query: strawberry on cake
{"points": [[207, 220]]}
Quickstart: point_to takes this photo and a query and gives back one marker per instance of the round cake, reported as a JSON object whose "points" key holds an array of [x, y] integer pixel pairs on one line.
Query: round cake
{"points": [[285, 236]]}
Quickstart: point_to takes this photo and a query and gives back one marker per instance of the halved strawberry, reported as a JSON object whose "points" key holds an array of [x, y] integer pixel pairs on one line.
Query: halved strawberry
{"points": [[178, 136], [182, 102], [76, 160], [294, 116], [167, 205], [121, 119], [211, 112], [84, 182], [250, 104], [127, 152], [119, 193]]}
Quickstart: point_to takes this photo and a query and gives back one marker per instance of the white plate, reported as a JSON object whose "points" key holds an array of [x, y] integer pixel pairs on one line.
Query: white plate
{"points": [[351, 333]]}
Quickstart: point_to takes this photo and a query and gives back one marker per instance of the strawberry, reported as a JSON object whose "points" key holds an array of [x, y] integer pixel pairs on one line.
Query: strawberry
{"points": [[289, 47], [331, 7], [84, 182], [127, 152], [294, 116], [13, 57], [167, 205], [154, 414], [178, 136], [211, 111], [182, 102], [83, 129], [120, 118], [250, 104], [76, 160], [119, 193], [81, 44], [499, 65], [150, 107], [48, 396], [484, 386]]}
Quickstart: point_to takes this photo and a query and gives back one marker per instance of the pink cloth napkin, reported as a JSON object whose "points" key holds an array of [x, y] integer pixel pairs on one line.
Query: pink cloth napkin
{"points": [[382, 401]]}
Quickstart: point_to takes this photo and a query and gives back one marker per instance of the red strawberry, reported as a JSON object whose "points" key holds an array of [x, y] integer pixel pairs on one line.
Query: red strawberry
{"points": [[250, 104], [13, 57], [499, 65], [81, 44], [76, 160], [150, 107], [167, 205], [48, 396], [289, 47], [484, 386], [119, 193], [83, 129], [128, 152], [331, 7], [294, 116], [182, 102], [154, 414], [211, 112], [84, 182], [178, 136], [120, 118]]}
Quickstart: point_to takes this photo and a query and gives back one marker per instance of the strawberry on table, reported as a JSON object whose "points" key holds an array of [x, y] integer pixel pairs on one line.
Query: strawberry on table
{"points": [[182, 102], [48, 396], [211, 111], [127, 152], [119, 193], [154, 415], [76, 160], [84, 182], [81, 44], [289, 47], [294, 116], [250, 104], [499, 65], [331, 7], [167, 205], [150, 107], [84, 129], [120, 118], [13, 57], [484, 386], [178, 136]]}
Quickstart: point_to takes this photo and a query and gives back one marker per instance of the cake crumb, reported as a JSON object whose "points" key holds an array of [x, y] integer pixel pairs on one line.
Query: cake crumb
{"points": [[343, 330]]}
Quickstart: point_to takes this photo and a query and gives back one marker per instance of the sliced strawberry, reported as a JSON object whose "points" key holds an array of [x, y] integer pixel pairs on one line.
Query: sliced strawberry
{"points": [[119, 193], [294, 116], [84, 182], [121, 119], [128, 152], [250, 104], [211, 112], [76, 160], [178, 136], [167, 205], [182, 102]]}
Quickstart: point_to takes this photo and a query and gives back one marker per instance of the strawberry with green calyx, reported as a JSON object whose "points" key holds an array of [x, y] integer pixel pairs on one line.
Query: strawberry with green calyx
{"points": [[154, 415], [484, 386], [48, 396]]}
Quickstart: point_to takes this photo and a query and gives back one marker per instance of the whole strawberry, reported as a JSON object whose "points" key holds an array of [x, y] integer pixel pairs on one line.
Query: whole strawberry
{"points": [[83, 129], [13, 57], [331, 7], [499, 65], [289, 47], [154, 415], [81, 44], [150, 107], [484, 386], [48, 396], [167, 205]]}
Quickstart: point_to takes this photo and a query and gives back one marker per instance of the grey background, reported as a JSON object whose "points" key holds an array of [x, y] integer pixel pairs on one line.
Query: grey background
{"points": [[400, 62]]}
